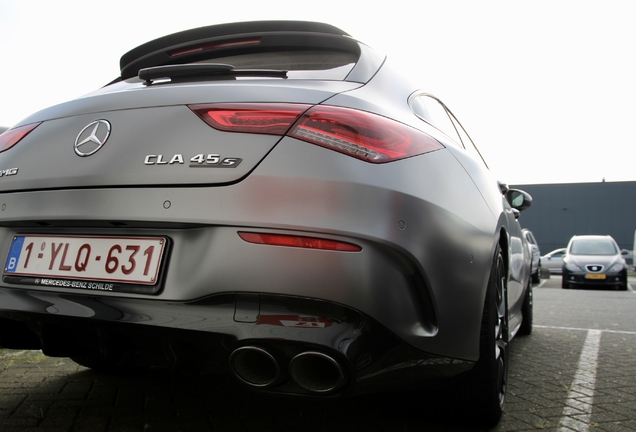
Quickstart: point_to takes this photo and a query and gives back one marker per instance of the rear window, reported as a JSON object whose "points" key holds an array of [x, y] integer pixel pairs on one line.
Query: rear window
{"points": [[330, 65]]}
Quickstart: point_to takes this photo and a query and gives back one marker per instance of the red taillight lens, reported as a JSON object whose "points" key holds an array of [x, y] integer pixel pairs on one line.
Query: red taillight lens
{"points": [[360, 134], [272, 119], [13, 136], [298, 241], [363, 135]]}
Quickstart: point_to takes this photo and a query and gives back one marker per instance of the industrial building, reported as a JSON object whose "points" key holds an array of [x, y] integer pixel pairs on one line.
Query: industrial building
{"points": [[560, 211]]}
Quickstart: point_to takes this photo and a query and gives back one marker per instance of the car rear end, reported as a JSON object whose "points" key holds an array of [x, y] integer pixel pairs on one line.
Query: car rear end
{"points": [[214, 220]]}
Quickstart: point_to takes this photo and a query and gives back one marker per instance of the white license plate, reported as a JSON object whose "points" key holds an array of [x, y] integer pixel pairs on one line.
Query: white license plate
{"points": [[115, 259]]}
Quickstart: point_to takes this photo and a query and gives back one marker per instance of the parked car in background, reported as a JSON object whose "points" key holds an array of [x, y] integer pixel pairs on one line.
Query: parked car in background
{"points": [[553, 261], [269, 199], [536, 255], [593, 260]]}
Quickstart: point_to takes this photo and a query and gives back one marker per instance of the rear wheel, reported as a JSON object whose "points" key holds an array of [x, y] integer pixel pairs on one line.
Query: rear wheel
{"points": [[488, 380], [527, 312], [536, 277]]}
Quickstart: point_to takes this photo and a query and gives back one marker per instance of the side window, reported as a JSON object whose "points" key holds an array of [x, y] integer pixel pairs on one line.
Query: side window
{"points": [[434, 113]]}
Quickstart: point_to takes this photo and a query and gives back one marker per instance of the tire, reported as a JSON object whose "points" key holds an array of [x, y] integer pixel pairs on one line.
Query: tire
{"points": [[488, 380], [536, 277], [527, 312], [564, 284]]}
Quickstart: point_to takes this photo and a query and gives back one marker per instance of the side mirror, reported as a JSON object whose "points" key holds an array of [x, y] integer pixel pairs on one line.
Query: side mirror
{"points": [[518, 199]]}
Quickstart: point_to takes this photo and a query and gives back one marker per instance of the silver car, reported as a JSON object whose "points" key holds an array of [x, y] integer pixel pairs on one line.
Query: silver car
{"points": [[553, 261], [536, 255], [268, 198], [593, 260]]}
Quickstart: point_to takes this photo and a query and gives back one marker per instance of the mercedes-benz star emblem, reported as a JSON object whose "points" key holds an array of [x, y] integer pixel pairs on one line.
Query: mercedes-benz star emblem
{"points": [[92, 138]]}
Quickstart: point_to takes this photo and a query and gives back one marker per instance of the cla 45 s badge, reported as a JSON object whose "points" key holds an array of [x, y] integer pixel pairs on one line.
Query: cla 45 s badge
{"points": [[211, 160]]}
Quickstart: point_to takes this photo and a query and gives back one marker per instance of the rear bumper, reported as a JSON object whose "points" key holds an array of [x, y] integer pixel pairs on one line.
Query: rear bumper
{"points": [[422, 272], [288, 340], [580, 279]]}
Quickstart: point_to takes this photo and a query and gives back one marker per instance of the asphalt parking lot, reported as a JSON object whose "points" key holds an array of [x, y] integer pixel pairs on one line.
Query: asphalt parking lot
{"points": [[577, 371]]}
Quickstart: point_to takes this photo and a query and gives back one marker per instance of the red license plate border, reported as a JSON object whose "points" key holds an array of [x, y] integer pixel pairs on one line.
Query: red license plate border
{"points": [[116, 286]]}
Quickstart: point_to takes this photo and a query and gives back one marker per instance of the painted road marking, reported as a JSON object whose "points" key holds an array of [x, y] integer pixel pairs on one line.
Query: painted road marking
{"points": [[578, 410]]}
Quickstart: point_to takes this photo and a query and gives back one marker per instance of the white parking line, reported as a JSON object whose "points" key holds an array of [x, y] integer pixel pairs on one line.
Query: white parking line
{"points": [[578, 410], [587, 330]]}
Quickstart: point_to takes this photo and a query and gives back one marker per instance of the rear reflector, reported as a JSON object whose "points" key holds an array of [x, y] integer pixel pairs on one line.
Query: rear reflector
{"points": [[360, 134], [13, 136], [298, 241]]}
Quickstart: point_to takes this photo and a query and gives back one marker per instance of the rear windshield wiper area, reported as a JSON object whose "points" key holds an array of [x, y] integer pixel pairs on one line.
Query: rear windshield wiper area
{"points": [[198, 71]]}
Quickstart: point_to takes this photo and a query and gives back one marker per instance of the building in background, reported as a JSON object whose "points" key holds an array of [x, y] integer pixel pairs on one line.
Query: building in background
{"points": [[560, 211]]}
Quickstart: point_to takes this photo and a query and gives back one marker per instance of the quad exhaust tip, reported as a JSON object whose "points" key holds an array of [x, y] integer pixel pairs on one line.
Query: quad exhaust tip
{"points": [[314, 371], [255, 366]]}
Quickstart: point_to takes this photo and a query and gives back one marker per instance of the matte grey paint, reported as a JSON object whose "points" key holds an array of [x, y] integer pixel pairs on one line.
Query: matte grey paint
{"points": [[451, 208]]}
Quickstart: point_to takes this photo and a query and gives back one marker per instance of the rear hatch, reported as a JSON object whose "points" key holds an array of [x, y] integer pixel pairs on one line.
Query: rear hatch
{"points": [[147, 127]]}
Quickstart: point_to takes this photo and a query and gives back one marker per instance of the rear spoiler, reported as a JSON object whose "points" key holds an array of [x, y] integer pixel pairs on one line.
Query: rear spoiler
{"points": [[228, 39]]}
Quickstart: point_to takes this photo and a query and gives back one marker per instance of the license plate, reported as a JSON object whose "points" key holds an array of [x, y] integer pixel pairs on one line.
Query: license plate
{"points": [[595, 276], [134, 260]]}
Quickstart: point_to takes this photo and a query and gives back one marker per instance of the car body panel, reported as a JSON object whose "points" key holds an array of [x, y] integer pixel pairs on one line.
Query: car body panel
{"points": [[536, 254], [302, 195], [427, 227]]}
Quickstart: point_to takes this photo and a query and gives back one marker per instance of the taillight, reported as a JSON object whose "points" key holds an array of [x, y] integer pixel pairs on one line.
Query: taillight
{"points": [[13, 136], [272, 119], [359, 134], [298, 242], [363, 135]]}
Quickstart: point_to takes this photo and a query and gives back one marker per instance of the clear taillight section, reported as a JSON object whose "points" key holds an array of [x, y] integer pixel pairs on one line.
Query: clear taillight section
{"points": [[362, 135], [298, 242], [359, 134], [13, 136]]}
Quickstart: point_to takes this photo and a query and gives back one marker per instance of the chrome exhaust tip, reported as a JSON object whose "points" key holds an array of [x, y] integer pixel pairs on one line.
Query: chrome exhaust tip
{"points": [[254, 366], [316, 372]]}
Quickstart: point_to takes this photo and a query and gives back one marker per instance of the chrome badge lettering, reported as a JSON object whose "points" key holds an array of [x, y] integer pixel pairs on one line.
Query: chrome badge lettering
{"points": [[211, 160], [8, 172]]}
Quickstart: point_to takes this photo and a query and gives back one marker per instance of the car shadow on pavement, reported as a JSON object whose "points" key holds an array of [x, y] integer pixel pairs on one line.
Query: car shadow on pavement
{"points": [[53, 394]]}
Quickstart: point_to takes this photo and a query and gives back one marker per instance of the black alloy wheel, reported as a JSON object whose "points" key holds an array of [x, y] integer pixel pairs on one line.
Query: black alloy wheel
{"points": [[488, 380], [527, 312]]}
